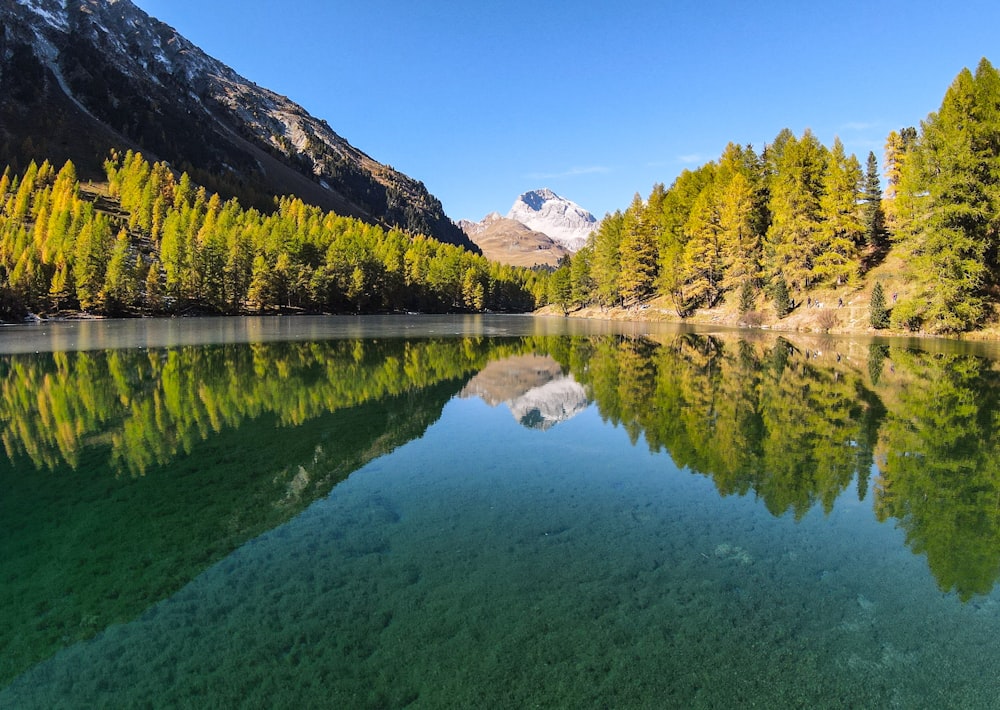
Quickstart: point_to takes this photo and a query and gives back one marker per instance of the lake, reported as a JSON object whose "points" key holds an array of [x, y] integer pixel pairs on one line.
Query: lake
{"points": [[492, 511]]}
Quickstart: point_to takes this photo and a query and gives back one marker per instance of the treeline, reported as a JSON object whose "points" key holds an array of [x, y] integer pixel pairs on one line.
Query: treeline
{"points": [[765, 230], [158, 243]]}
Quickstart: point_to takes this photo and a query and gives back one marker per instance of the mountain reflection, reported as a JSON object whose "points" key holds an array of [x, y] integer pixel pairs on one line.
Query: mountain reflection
{"points": [[535, 388]]}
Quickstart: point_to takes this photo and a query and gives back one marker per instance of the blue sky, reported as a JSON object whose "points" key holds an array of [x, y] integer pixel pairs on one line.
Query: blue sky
{"points": [[595, 100]]}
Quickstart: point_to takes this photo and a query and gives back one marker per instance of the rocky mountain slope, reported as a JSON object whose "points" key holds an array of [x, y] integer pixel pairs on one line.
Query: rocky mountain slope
{"points": [[564, 221], [510, 242], [78, 78]]}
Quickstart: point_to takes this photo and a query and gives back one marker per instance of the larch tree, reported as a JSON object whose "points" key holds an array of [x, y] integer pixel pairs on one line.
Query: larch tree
{"points": [[897, 145], [675, 211], [583, 280], [606, 269], [796, 188], [741, 219], [638, 254], [121, 279], [703, 251], [947, 207], [841, 231]]}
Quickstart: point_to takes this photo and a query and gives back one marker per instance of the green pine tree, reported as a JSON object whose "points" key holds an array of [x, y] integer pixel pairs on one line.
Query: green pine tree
{"points": [[873, 217], [779, 294], [878, 314]]}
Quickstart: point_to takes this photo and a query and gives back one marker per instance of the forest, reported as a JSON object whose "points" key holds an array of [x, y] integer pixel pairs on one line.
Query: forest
{"points": [[762, 232], [153, 242], [759, 233]]}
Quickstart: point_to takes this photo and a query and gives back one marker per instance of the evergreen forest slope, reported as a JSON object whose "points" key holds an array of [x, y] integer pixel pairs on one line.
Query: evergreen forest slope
{"points": [[155, 243], [763, 237]]}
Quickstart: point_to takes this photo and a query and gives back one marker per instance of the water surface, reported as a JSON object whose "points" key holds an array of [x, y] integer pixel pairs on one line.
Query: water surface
{"points": [[496, 512]]}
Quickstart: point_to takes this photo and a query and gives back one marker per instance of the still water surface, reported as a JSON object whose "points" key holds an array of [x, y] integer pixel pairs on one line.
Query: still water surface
{"points": [[494, 512]]}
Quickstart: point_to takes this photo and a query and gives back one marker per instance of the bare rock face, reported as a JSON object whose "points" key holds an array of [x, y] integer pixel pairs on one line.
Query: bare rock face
{"points": [[79, 78], [564, 221]]}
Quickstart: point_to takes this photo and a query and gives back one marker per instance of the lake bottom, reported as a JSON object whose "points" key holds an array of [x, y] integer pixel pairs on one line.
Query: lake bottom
{"points": [[489, 565]]}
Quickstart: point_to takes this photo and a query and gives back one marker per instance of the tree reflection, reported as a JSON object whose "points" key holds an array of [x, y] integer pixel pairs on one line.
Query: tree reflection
{"points": [[939, 465], [149, 406], [222, 443], [796, 425], [753, 417]]}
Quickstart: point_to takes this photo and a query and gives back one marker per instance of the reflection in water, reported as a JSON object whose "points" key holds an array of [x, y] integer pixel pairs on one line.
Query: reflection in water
{"points": [[159, 462], [534, 387], [796, 425], [148, 406], [230, 441], [939, 464], [765, 418]]}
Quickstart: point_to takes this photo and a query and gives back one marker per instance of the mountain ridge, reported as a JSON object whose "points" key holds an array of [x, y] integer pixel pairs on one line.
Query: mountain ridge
{"points": [[561, 219], [540, 229], [89, 76]]}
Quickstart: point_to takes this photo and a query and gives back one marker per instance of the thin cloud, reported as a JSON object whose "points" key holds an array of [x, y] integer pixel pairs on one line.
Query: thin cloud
{"points": [[857, 126], [572, 172], [692, 158]]}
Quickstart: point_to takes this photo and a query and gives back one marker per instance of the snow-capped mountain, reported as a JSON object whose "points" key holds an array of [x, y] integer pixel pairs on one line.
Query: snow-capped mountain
{"points": [[78, 78], [510, 242], [533, 387], [564, 221]]}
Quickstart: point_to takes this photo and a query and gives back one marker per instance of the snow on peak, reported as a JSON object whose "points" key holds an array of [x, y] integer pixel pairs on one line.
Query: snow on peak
{"points": [[562, 220], [536, 199]]}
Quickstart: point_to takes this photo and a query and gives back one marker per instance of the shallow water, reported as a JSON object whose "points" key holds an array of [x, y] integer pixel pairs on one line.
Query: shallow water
{"points": [[444, 539]]}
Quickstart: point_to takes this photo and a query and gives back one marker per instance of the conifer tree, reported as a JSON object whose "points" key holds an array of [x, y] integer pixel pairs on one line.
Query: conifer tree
{"points": [[741, 219], [703, 251], [878, 314], [93, 247], [779, 293], [561, 288], [795, 190], [119, 289], [675, 210], [59, 285], [873, 217], [580, 272], [841, 232], [897, 147], [153, 295], [606, 269], [946, 206], [638, 254]]}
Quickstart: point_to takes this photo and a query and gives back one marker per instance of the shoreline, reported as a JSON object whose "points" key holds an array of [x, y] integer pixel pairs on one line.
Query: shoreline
{"points": [[817, 318]]}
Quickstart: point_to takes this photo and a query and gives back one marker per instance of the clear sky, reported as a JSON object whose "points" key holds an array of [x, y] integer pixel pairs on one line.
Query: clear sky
{"points": [[596, 100]]}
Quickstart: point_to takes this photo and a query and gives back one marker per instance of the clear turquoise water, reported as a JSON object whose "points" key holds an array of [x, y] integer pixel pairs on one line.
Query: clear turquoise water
{"points": [[486, 564]]}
